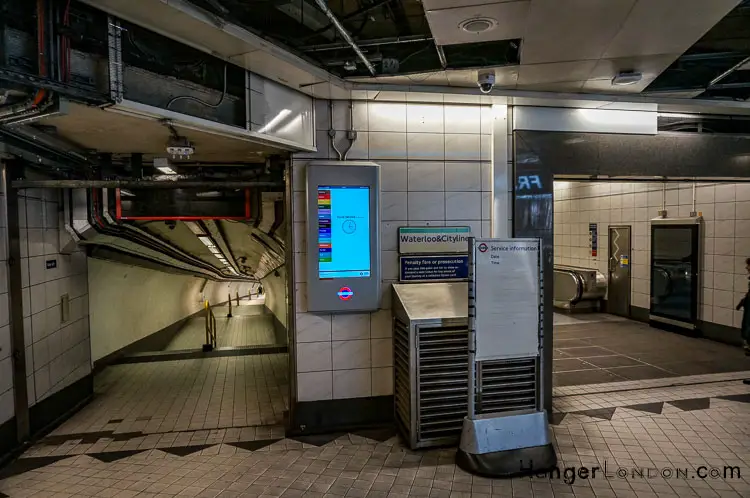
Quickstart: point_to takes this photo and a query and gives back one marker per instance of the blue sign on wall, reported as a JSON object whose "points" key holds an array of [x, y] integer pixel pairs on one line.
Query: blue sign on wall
{"points": [[442, 268]]}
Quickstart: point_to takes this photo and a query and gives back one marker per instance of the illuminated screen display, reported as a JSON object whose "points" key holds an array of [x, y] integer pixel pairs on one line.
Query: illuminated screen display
{"points": [[343, 232]]}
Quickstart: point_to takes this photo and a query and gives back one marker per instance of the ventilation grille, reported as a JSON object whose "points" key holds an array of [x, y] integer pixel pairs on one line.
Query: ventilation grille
{"points": [[401, 375], [443, 385]]}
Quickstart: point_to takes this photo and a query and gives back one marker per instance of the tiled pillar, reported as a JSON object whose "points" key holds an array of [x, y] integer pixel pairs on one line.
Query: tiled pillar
{"points": [[436, 170]]}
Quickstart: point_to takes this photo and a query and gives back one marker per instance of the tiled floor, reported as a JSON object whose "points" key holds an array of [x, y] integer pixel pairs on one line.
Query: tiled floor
{"points": [[251, 325], [210, 393], [594, 349], [638, 453]]}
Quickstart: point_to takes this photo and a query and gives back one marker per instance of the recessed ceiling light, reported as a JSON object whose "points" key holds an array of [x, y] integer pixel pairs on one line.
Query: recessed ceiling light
{"points": [[477, 25], [626, 78]]}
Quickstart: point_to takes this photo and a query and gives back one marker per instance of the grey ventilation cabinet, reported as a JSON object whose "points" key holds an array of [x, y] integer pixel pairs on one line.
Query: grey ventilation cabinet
{"points": [[430, 349]]}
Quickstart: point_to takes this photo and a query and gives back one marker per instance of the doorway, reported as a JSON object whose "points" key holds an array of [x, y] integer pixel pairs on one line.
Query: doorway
{"points": [[619, 264]]}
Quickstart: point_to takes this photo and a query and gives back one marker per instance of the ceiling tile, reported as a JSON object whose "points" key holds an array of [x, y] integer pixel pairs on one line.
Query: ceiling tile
{"points": [[510, 17], [571, 30], [532, 74], [606, 86], [558, 86], [645, 30], [505, 77], [650, 66], [450, 4]]}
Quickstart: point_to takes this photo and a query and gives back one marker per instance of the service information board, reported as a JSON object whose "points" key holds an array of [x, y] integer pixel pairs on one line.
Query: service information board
{"points": [[506, 298], [443, 268], [433, 240]]}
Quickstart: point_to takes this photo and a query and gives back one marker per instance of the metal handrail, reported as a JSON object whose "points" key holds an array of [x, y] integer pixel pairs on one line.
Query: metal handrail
{"points": [[210, 344]]}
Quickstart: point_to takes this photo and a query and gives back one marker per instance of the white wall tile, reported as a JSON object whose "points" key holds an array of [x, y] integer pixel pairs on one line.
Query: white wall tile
{"points": [[313, 328], [389, 234], [424, 118], [314, 386], [460, 147], [426, 146], [347, 327], [313, 356], [463, 119], [464, 176], [426, 176], [393, 206], [381, 325], [393, 176], [387, 116], [387, 145], [463, 206], [382, 381], [426, 206], [382, 352], [351, 354], [352, 383]]}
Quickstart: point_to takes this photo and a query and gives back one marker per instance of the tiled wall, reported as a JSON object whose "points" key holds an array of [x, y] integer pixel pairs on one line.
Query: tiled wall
{"points": [[435, 170], [57, 353], [725, 209], [6, 366]]}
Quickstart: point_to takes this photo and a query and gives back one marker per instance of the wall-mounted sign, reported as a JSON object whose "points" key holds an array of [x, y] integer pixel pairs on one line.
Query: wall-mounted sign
{"points": [[51, 263], [433, 240], [594, 238], [440, 268], [624, 261]]}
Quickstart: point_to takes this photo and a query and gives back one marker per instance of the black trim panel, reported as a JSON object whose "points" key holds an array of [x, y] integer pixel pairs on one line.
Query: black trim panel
{"points": [[8, 437], [339, 415]]}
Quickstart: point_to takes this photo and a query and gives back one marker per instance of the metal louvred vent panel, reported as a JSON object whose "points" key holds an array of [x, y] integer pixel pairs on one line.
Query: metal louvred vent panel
{"points": [[402, 391], [442, 366]]}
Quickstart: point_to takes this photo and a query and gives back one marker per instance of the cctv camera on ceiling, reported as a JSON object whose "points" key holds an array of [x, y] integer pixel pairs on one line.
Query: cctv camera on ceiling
{"points": [[486, 80]]}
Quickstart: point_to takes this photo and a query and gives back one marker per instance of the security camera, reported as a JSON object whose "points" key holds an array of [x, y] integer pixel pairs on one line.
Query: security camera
{"points": [[486, 81]]}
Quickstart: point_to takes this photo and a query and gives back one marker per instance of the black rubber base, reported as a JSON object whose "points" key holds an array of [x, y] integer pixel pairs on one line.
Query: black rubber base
{"points": [[510, 463]]}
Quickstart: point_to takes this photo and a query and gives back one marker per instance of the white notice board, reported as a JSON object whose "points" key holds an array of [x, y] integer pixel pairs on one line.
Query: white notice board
{"points": [[506, 298]]}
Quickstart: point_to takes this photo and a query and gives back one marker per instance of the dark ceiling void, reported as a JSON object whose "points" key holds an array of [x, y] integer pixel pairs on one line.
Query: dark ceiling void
{"points": [[717, 65], [392, 34]]}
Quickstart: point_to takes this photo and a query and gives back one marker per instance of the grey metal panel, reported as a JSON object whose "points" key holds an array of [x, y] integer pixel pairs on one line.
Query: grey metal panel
{"points": [[431, 367], [435, 301], [584, 120], [322, 294], [502, 175], [620, 155]]}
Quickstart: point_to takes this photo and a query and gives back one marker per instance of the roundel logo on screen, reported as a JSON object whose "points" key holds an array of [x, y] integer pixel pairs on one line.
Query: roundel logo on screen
{"points": [[483, 247], [345, 293]]}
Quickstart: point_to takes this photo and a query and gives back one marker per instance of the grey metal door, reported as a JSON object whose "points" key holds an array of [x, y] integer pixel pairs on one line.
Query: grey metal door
{"points": [[618, 292]]}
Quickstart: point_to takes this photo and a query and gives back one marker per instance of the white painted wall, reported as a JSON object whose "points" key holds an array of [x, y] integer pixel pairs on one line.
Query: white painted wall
{"points": [[436, 170], [725, 209], [129, 303], [275, 290]]}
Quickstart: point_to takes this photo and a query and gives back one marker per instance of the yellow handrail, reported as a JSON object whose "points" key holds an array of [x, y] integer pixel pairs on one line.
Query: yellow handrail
{"points": [[210, 328]]}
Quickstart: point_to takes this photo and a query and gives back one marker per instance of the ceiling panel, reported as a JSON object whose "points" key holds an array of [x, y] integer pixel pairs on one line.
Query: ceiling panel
{"points": [[510, 18], [532, 74], [450, 4], [666, 26], [571, 30], [556, 86], [650, 66], [101, 130], [505, 77]]}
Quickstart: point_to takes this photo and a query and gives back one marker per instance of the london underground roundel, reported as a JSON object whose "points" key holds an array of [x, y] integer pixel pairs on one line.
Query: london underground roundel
{"points": [[345, 293], [483, 247]]}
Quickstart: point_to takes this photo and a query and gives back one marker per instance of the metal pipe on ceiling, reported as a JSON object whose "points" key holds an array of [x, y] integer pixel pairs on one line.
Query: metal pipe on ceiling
{"points": [[728, 72], [141, 184], [345, 34], [377, 42]]}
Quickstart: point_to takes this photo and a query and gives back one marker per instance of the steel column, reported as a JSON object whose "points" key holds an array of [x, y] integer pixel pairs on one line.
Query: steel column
{"points": [[15, 294]]}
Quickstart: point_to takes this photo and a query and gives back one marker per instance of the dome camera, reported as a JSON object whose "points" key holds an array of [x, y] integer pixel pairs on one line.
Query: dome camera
{"points": [[486, 81]]}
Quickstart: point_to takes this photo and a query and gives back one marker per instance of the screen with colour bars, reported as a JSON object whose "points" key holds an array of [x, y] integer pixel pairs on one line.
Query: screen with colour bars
{"points": [[343, 232]]}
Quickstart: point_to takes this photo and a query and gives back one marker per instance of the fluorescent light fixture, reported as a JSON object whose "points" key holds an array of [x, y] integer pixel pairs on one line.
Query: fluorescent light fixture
{"points": [[626, 78], [677, 115], [206, 240], [208, 194], [195, 228], [275, 121], [126, 193], [166, 170]]}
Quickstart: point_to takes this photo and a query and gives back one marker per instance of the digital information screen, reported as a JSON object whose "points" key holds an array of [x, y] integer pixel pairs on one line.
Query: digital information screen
{"points": [[343, 232]]}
